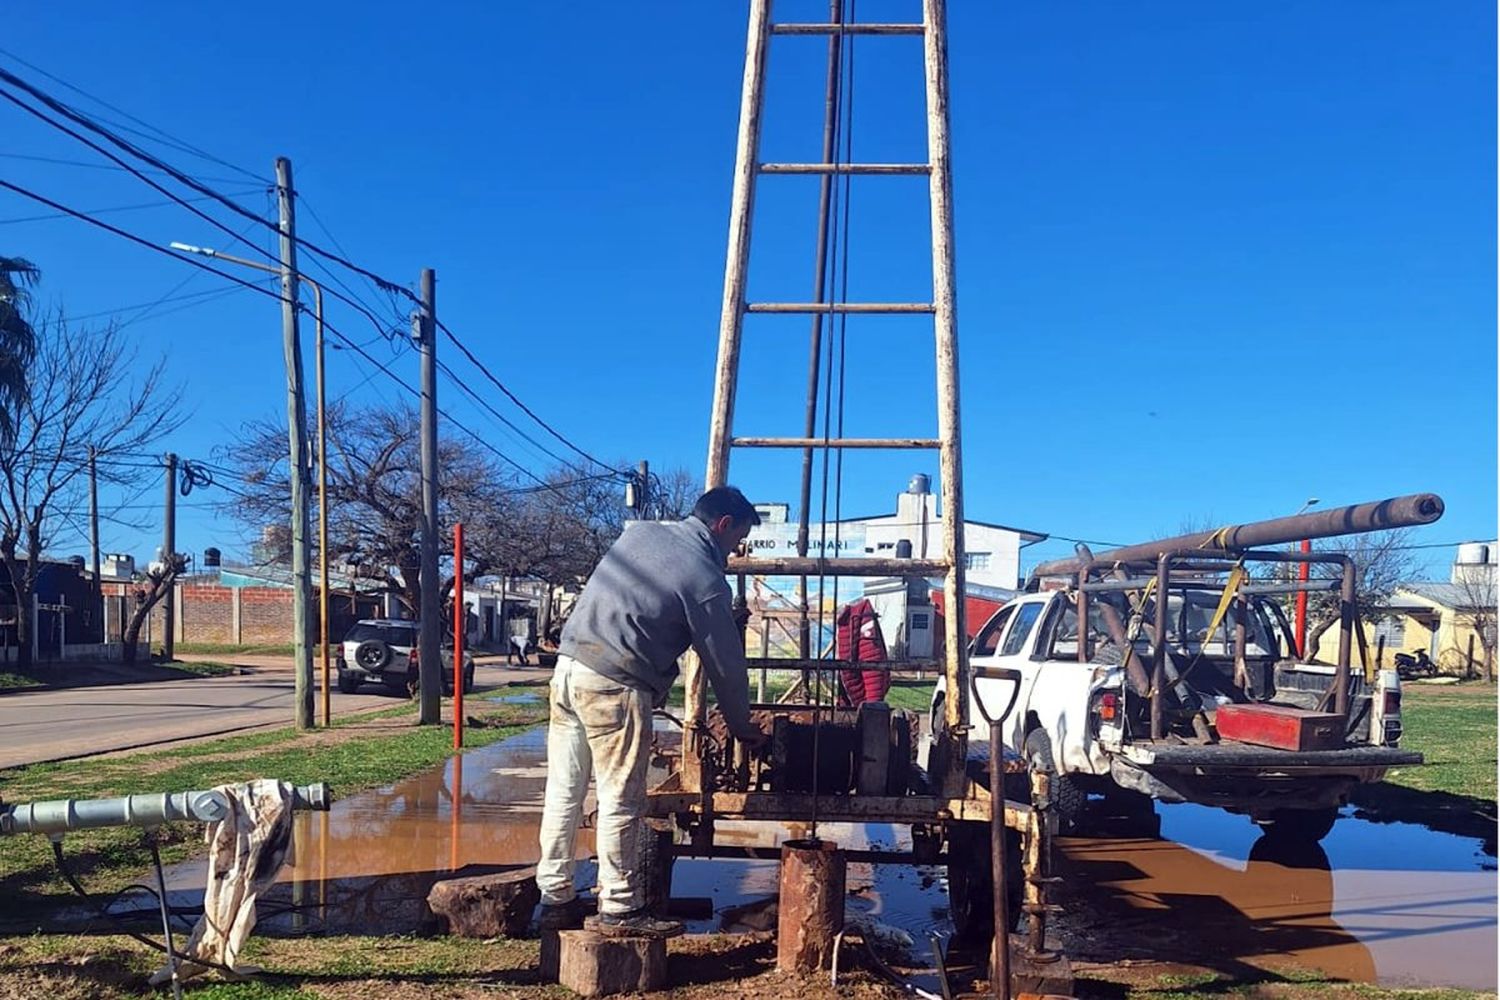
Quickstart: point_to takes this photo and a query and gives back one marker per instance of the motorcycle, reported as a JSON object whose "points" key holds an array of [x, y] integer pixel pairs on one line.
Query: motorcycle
{"points": [[1412, 665]]}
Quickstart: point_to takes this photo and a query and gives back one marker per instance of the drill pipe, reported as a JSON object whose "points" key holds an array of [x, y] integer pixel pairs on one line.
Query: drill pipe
{"points": [[1397, 512]]}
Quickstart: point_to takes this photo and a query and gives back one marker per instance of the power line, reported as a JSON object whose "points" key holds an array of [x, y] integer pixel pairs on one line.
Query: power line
{"points": [[62, 162], [382, 283], [78, 117], [442, 367], [164, 137], [103, 211], [513, 397]]}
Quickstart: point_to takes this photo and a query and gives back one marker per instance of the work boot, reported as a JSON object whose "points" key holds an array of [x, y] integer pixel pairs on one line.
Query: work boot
{"points": [[562, 916], [634, 923]]}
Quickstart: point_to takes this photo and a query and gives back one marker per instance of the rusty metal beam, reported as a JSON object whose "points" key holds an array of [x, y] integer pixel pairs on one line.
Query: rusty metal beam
{"points": [[813, 566], [839, 808], [1397, 512]]}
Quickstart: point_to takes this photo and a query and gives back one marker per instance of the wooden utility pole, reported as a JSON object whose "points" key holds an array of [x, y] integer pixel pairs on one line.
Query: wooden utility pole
{"points": [[296, 405], [644, 500], [94, 537], [430, 637], [169, 556]]}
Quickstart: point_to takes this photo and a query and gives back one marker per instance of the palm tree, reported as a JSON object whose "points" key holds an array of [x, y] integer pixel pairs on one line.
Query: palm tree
{"points": [[17, 339]]}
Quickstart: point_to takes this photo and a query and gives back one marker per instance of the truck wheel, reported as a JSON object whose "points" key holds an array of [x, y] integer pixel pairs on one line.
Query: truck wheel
{"points": [[1300, 826], [971, 902], [348, 683], [1068, 800], [469, 680]]}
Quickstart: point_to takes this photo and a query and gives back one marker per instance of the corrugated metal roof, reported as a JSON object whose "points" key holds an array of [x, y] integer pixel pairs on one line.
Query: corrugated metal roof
{"points": [[1449, 595]]}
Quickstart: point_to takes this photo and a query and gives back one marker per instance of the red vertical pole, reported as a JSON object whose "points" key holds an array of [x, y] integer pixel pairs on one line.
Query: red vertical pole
{"points": [[458, 636], [1301, 623]]}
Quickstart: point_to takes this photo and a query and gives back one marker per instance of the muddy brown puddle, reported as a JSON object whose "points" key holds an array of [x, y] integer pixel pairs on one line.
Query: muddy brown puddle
{"points": [[1393, 903]]}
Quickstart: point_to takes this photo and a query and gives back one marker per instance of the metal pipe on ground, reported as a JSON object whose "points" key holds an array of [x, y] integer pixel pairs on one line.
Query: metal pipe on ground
{"points": [[207, 806]]}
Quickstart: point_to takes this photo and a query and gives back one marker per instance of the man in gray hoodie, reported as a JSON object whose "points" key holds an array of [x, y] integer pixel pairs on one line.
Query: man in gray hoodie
{"points": [[658, 591]]}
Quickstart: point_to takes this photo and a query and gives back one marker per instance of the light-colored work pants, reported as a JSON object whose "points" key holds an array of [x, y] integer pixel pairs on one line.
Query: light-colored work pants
{"points": [[600, 727]]}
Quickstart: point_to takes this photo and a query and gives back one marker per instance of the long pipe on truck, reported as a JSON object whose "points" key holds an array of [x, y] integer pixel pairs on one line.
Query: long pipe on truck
{"points": [[1397, 512], [154, 809]]}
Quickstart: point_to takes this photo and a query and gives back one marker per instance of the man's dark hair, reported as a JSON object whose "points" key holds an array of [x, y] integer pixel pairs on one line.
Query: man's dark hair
{"points": [[722, 500]]}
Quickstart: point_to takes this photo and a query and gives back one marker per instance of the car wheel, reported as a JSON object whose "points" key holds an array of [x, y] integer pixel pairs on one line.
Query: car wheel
{"points": [[372, 655], [1068, 800], [469, 680], [348, 683]]}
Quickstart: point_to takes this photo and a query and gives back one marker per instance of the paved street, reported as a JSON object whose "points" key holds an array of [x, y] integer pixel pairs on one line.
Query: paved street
{"points": [[50, 725]]}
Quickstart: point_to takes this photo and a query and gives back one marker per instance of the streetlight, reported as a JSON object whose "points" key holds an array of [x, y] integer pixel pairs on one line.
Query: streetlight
{"points": [[322, 448], [1302, 576]]}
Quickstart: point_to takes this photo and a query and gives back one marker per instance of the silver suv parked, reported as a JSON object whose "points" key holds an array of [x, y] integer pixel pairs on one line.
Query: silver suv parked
{"points": [[384, 651]]}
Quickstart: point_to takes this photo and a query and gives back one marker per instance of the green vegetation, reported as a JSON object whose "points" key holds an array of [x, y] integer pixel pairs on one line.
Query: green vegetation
{"points": [[1454, 728], [206, 668], [360, 752], [228, 648], [11, 681]]}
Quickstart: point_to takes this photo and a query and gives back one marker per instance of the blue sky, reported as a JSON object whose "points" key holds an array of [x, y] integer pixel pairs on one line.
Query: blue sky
{"points": [[1212, 259]]}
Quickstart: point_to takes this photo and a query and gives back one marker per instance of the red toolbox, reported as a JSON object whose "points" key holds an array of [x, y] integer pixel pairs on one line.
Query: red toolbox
{"points": [[1280, 726]]}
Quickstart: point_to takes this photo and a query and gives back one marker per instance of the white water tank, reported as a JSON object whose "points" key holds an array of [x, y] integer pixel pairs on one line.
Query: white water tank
{"points": [[1473, 554]]}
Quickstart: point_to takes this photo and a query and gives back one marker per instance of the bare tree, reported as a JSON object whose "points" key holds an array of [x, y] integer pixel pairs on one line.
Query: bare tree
{"points": [[1382, 561], [1476, 608], [79, 394], [674, 494], [375, 495]]}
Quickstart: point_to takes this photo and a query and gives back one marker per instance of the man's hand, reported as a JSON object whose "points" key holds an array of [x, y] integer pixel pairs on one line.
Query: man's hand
{"points": [[741, 613]]}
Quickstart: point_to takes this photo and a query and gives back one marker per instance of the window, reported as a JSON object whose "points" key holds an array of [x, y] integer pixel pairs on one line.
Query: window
{"points": [[976, 560], [1021, 630], [988, 639], [1393, 631]]}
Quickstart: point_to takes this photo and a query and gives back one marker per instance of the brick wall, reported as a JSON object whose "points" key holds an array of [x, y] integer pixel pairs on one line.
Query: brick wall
{"points": [[206, 614]]}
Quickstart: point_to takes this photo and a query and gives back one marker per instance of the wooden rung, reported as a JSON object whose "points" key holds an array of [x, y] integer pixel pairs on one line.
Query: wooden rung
{"points": [[775, 442], [831, 28], [810, 566], [845, 168], [839, 307]]}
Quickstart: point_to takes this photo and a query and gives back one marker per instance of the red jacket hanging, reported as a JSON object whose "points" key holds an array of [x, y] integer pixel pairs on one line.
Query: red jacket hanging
{"points": [[860, 641]]}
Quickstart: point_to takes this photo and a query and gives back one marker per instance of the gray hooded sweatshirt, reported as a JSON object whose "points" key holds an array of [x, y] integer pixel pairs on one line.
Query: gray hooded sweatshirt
{"points": [[660, 589]]}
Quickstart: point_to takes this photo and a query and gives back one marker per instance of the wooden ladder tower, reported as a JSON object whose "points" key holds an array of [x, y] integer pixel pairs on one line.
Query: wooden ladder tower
{"points": [[749, 168]]}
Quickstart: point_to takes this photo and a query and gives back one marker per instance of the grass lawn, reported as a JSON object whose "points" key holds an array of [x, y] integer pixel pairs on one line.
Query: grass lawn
{"points": [[225, 648], [363, 751], [10, 680], [1453, 726]]}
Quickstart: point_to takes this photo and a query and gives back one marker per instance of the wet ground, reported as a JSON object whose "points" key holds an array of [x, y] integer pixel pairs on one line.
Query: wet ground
{"points": [[1387, 902]]}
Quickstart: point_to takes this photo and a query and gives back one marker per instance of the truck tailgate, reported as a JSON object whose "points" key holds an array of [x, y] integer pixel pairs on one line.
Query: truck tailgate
{"points": [[1238, 756]]}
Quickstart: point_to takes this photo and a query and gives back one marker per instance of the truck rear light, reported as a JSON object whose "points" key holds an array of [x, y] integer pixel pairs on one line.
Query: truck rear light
{"points": [[1392, 703], [1108, 707]]}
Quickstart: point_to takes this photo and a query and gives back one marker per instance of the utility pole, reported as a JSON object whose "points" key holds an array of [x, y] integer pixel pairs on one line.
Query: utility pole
{"points": [[645, 498], [94, 538], [169, 556], [430, 639], [296, 406]]}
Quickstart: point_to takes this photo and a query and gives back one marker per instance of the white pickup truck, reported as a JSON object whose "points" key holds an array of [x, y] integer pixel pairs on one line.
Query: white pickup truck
{"points": [[1085, 724]]}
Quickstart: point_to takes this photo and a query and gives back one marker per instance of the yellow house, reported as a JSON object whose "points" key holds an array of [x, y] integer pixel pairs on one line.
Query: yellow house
{"points": [[1436, 618]]}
